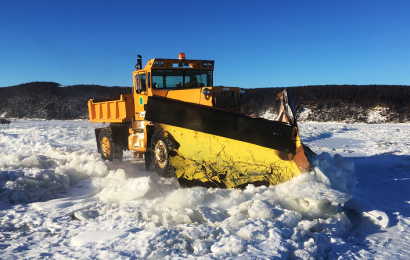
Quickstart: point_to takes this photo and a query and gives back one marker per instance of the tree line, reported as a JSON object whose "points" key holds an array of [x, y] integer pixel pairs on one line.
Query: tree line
{"points": [[50, 100], [395, 97]]}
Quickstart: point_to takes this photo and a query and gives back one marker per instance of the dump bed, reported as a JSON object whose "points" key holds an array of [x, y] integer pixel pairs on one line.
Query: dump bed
{"points": [[111, 111]]}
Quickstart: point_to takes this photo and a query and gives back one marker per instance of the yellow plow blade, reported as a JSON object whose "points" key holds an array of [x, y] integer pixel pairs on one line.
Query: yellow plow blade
{"points": [[213, 161], [214, 148]]}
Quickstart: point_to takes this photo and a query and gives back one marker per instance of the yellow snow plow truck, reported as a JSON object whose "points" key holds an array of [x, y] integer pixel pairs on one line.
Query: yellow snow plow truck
{"points": [[185, 127]]}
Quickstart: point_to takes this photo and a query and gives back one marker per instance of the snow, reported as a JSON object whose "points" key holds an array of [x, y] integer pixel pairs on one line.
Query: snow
{"points": [[97, 237], [269, 114], [60, 200], [304, 114], [377, 115]]}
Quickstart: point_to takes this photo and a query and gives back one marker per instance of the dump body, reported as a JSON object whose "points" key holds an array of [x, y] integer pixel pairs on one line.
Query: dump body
{"points": [[111, 111]]}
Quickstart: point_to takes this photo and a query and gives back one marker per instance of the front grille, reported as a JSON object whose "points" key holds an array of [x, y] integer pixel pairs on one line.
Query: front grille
{"points": [[226, 100]]}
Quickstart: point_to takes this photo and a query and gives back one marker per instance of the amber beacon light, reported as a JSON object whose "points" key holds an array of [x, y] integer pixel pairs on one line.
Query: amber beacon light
{"points": [[181, 56]]}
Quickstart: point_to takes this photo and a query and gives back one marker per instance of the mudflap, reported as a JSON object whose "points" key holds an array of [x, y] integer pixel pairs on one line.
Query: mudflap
{"points": [[217, 148]]}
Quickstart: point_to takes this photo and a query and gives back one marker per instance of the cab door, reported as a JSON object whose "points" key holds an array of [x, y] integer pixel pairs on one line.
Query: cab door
{"points": [[140, 95], [137, 140]]}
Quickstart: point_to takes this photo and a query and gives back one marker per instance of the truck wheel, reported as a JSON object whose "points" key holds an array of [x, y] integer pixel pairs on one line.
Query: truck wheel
{"points": [[160, 148], [108, 149]]}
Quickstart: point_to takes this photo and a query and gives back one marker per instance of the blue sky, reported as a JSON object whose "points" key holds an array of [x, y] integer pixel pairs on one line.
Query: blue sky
{"points": [[277, 43]]}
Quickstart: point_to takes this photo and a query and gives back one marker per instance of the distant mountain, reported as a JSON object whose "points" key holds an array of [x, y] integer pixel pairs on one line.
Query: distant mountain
{"points": [[324, 103]]}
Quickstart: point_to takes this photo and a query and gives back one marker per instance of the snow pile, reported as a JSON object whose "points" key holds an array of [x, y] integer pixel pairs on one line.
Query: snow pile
{"points": [[269, 114], [96, 237], [377, 115], [116, 187], [32, 169], [41, 177], [286, 220], [304, 114], [336, 174], [111, 209]]}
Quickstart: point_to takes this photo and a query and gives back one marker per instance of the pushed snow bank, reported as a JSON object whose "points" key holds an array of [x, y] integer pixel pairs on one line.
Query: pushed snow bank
{"points": [[116, 187], [119, 207], [290, 219], [335, 173], [314, 195], [46, 173]]}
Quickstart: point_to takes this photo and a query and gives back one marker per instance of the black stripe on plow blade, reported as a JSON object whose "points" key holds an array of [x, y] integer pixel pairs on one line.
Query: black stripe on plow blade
{"points": [[271, 134]]}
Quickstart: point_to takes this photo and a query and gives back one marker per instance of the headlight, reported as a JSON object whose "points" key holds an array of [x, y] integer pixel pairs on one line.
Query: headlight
{"points": [[241, 91], [158, 63], [207, 64], [206, 91]]}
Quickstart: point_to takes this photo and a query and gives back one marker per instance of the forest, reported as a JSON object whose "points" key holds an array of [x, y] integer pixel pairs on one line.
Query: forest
{"points": [[341, 103], [50, 100]]}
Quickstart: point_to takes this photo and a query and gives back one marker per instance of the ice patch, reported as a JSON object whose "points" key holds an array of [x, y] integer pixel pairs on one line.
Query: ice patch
{"points": [[378, 217], [115, 187], [97, 237], [73, 174], [212, 216], [228, 244], [260, 209], [35, 161], [336, 173], [186, 198]]}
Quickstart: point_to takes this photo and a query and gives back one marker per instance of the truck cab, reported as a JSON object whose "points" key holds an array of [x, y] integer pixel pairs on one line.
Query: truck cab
{"points": [[185, 80]]}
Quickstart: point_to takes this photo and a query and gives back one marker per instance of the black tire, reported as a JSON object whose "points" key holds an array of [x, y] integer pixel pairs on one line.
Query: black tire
{"points": [[149, 165], [109, 150], [160, 149]]}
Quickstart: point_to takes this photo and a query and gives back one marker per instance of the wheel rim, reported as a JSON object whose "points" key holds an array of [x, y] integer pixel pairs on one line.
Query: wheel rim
{"points": [[105, 146], [161, 154]]}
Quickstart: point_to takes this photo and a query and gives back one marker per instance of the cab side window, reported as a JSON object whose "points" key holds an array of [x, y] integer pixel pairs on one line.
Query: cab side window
{"points": [[141, 83]]}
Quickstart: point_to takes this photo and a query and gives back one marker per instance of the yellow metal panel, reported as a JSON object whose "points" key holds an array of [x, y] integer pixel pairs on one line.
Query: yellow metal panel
{"points": [[226, 162], [112, 111], [139, 101], [161, 93], [187, 95], [101, 110]]}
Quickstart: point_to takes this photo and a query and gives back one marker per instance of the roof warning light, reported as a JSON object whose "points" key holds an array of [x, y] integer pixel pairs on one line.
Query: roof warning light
{"points": [[181, 56]]}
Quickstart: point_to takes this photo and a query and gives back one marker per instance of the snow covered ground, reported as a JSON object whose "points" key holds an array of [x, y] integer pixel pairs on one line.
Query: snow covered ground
{"points": [[59, 200]]}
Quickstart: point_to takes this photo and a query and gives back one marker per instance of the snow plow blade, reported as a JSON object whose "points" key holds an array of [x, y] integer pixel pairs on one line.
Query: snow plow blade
{"points": [[217, 148]]}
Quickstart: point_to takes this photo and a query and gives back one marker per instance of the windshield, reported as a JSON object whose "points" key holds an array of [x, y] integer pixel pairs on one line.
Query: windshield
{"points": [[176, 78]]}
